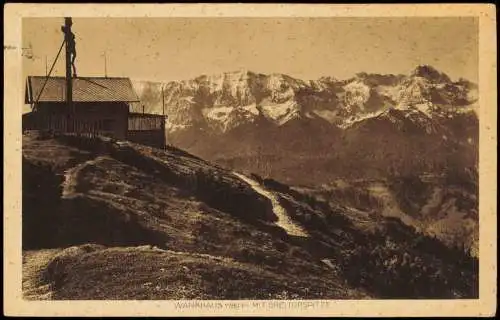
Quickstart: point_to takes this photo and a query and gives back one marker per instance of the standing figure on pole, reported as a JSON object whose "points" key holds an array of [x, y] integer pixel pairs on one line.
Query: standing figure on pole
{"points": [[69, 39], [71, 43]]}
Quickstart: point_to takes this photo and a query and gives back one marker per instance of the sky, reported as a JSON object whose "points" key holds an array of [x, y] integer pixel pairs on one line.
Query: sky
{"points": [[165, 49]]}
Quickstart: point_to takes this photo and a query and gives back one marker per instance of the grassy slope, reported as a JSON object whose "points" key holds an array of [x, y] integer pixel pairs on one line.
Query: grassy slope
{"points": [[150, 273], [213, 235], [34, 264], [129, 196]]}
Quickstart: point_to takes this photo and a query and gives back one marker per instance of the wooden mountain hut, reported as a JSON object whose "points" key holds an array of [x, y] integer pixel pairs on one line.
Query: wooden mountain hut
{"points": [[101, 106]]}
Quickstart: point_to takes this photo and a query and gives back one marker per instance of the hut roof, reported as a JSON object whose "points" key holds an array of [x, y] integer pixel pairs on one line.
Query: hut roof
{"points": [[85, 89]]}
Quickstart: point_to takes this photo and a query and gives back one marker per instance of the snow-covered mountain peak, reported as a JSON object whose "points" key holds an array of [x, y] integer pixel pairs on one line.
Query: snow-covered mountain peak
{"points": [[430, 73], [228, 100]]}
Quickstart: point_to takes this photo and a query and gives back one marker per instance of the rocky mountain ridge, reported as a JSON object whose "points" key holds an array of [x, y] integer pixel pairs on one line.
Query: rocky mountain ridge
{"points": [[220, 103]]}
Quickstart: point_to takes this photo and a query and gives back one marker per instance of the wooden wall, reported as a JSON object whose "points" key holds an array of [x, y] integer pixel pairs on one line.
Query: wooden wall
{"points": [[109, 118], [141, 121], [147, 129], [105, 119]]}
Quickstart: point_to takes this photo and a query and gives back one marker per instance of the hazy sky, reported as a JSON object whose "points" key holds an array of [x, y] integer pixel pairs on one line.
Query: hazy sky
{"points": [[307, 48]]}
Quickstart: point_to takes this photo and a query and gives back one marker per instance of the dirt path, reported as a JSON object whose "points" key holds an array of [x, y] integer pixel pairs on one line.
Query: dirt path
{"points": [[34, 262], [284, 220], [71, 177]]}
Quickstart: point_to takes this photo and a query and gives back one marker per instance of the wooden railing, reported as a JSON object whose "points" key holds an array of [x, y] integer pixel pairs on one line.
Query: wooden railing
{"points": [[145, 121]]}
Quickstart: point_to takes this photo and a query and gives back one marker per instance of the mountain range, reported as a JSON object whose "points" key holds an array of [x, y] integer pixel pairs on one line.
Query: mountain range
{"points": [[276, 125]]}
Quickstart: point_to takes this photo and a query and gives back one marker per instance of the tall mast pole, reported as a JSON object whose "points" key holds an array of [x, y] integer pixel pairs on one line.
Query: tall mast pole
{"points": [[69, 76]]}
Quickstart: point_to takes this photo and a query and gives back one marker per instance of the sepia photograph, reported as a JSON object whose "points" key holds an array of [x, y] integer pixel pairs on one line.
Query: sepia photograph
{"points": [[287, 159]]}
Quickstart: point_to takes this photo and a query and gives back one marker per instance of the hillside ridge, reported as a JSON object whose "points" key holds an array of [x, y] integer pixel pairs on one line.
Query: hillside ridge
{"points": [[159, 210]]}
